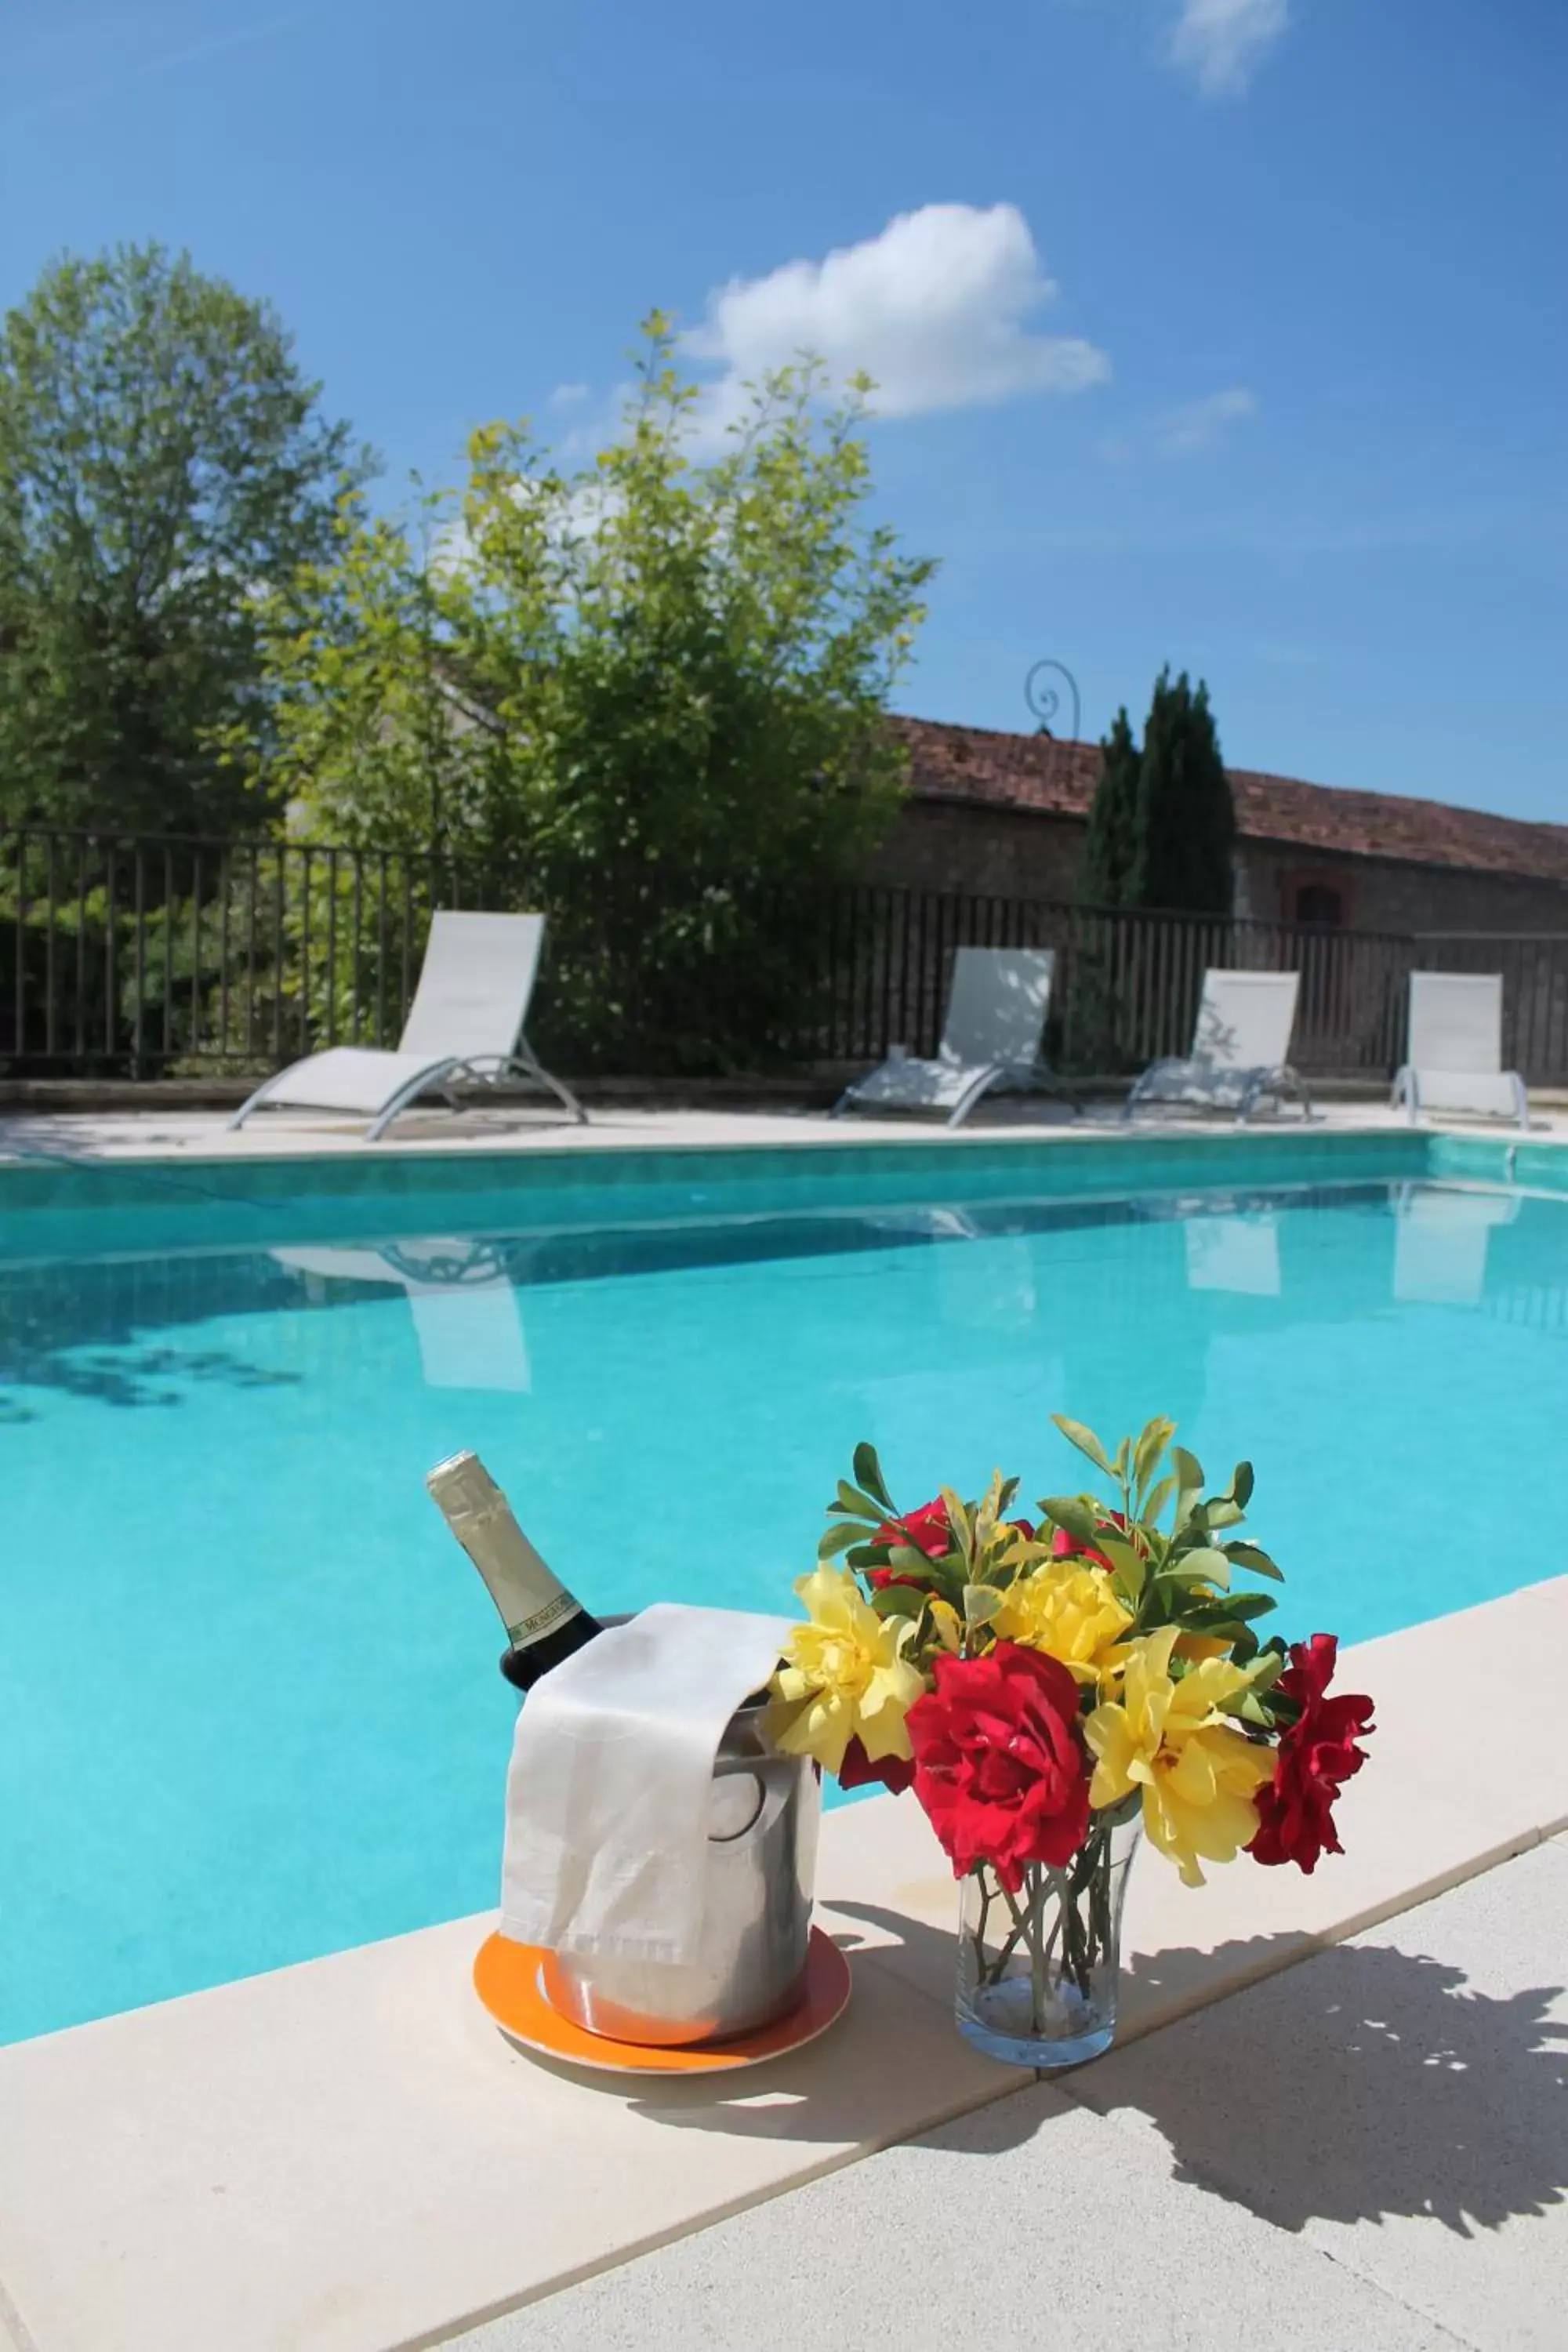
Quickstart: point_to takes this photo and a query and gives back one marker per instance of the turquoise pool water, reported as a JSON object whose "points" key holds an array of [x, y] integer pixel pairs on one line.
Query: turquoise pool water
{"points": [[248, 1705]]}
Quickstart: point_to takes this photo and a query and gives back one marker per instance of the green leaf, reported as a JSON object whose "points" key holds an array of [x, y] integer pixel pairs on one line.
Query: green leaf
{"points": [[1127, 1581], [1076, 1514], [867, 1555], [1200, 1567], [897, 1600], [857, 1505], [1085, 1440], [1222, 1513], [1117, 1549], [1247, 1555], [982, 1604], [1189, 1473], [868, 1477], [1241, 1486], [959, 1520], [1271, 1665], [837, 1539], [1188, 1469], [907, 1558], [1207, 1617], [1156, 1501], [1151, 1445]]}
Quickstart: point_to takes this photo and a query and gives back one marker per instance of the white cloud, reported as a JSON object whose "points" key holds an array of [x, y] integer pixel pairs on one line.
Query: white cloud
{"points": [[568, 396], [1203, 423], [936, 308], [1220, 41]]}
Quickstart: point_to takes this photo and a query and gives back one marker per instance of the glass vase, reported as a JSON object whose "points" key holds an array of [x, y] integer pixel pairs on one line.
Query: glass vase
{"points": [[1037, 1970]]}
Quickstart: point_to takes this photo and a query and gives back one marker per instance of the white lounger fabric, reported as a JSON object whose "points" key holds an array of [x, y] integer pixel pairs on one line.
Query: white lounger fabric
{"points": [[1241, 1046], [467, 1021], [1453, 1054], [996, 1012]]}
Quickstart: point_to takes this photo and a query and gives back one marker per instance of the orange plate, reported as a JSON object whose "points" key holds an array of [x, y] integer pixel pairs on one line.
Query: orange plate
{"points": [[506, 1978]]}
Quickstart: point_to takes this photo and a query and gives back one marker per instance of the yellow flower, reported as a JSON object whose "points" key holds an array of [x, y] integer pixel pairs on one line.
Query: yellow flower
{"points": [[1197, 1647], [1197, 1772], [1069, 1612], [845, 1676]]}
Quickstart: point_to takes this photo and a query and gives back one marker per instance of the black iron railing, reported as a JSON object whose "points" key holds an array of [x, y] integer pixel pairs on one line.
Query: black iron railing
{"points": [[130, 957]]}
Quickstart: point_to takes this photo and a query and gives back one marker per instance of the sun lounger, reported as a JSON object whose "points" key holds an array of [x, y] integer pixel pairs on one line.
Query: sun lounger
{"points": [[1240, 1042], [466, 1024], [995, 1018], [1453, 1054]]}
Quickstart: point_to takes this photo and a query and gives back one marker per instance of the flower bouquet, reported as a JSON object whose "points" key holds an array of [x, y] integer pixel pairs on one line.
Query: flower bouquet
{"points": [[1050, 1690]]}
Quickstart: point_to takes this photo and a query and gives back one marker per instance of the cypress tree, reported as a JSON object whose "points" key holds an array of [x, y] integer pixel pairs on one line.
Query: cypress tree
{"points": [[1184, 827], [1108, 851]]}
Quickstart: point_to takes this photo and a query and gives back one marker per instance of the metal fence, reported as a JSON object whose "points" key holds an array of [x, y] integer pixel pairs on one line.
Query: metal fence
{"points": [[139, 958]]}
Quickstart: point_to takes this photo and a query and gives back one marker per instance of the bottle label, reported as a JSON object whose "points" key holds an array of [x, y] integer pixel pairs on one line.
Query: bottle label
{"points": [[559, 1610]]}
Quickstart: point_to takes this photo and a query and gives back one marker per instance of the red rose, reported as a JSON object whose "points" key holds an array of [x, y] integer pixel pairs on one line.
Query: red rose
{"points": [[1316, 1757], [999, 1766], [857, 1771], [927, 1530]]}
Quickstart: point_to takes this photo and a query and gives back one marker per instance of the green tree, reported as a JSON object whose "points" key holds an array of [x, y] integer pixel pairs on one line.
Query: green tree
{"points": [[1185, 822], [655, 688], [163, 462], [1111, 841]]}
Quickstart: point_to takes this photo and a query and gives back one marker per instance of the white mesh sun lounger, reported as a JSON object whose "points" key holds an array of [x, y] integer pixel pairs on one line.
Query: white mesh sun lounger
{"points": [[995, 1018], [1453, 1054], [465, 1023], [1240, 1042]]}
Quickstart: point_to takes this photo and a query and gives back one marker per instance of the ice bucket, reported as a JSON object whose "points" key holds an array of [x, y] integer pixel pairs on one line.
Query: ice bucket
{"points": [[756, 1924]]}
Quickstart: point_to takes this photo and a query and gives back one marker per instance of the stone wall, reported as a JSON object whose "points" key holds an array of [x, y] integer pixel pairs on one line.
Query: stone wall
{"points": [[1376, 894], [964, 845], [951, 845]]}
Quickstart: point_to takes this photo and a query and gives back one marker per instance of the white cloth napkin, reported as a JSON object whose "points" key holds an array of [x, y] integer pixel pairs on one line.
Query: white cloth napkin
{"points": [[611, 1768]]}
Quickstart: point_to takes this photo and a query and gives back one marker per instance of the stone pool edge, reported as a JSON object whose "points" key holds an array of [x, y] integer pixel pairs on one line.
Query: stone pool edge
{"points": [[345, 2157]]}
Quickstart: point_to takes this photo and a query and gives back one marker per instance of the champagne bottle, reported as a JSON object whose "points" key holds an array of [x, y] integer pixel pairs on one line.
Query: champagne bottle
{"points": [[544, 1622]]}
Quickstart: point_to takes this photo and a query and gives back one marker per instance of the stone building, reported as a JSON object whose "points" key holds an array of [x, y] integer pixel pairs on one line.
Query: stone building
{"points": [[1005, 815]]}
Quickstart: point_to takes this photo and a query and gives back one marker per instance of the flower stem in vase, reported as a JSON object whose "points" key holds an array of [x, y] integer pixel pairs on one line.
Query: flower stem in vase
{"points": [[1045, 1995]]}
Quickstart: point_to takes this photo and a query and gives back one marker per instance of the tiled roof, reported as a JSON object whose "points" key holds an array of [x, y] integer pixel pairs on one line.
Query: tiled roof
{"points": [[1034, 772]]}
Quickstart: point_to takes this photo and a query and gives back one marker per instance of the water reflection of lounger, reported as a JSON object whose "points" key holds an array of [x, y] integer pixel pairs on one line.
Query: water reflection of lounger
{"points": [[1440, 1243], [1238, 1254], [466, 1314]]}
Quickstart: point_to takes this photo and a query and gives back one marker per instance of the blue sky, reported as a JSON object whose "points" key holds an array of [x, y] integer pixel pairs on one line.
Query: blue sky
{"points": [[1231, 332]]}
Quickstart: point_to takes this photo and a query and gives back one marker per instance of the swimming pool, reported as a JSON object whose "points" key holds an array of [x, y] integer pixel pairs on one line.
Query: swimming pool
{"points": [[248, 1705]]}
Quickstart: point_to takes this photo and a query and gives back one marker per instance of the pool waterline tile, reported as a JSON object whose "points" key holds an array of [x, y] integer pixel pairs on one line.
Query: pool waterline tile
{"points": [[62, 1208]]}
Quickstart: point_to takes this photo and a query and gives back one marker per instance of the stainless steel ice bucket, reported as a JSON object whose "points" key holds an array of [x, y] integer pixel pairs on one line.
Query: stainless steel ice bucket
{"points": [[762, 1859]]}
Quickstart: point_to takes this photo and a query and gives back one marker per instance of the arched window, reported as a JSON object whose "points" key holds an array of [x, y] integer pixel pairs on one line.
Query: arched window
{"points": [[1320, 904]]}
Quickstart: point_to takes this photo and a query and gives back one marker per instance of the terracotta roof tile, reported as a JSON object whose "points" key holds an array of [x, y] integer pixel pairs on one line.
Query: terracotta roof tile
{"points": [[1035, 772]]}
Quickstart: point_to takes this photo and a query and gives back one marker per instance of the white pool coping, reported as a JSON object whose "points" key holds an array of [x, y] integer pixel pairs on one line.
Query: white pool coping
{"points": [[346, 2157], [183, 1137]]}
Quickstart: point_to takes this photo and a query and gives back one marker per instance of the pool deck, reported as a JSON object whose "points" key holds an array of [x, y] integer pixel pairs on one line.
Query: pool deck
{"points": [[1391, 2177], [1333, 2114], [347, 2156], [188, 1135]]}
